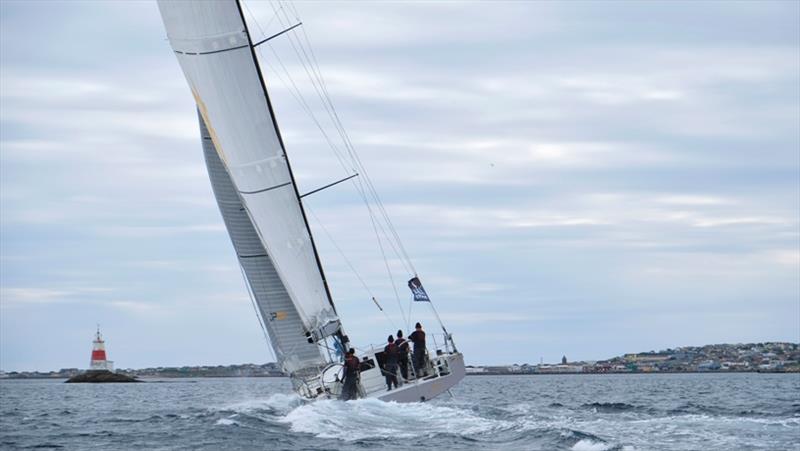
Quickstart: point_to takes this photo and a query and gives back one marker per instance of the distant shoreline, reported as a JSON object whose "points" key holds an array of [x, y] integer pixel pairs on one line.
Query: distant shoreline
{"points": [[609, 373], [768, 357], [177, 378]]}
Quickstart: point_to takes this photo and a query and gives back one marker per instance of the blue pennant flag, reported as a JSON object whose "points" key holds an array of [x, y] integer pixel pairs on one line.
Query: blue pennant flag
{"points": [[419, 293]]}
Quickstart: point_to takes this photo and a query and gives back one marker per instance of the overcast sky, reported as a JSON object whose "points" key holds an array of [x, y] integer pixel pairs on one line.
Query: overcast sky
{"points": [[579, 179]]}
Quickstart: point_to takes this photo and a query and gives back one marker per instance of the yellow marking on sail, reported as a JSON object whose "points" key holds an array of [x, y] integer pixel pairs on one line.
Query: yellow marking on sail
{"points": [[201, 106], [280, 315]]}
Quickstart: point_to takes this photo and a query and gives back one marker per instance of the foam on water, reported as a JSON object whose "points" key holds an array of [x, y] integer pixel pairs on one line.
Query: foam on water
{"points": [[372, 418], [226, 422], [276, 404], [589, 445]]}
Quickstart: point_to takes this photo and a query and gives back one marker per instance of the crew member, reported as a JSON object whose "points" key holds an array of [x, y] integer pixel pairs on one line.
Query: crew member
{"points": [[418, 338], [402, 346], [390, 357], [351, 373]]}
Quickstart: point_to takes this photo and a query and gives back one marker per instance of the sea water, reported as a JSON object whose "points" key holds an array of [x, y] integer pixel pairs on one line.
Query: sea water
{"points": [[571, 412]]}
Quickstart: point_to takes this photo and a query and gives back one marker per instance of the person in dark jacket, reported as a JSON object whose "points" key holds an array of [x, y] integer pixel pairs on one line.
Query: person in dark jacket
{"points": [[390, 355], [418, 338], [351, 373], [402, 346]]}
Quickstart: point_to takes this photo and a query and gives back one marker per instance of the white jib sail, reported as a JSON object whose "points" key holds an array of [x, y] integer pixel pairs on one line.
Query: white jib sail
{"points": [[296, 356], [210, 40]]}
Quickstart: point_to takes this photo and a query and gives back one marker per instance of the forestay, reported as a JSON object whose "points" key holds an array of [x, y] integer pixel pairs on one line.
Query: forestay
{"points": [[210, 40]]}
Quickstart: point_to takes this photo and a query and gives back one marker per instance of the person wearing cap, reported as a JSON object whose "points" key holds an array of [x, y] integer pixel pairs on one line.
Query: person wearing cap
{"points": [[402, 347], [390, 357], [351, 373], [418, 338]]}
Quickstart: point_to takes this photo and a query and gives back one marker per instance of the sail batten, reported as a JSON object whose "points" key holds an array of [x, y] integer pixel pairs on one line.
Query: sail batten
{"points": [[212, 45]]}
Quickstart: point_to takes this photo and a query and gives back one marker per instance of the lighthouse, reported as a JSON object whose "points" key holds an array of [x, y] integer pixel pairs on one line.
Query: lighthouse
{"points": [[99, 362]]}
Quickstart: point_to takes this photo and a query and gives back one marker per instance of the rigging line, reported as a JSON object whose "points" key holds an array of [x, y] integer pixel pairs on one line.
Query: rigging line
{"points": [[318, 81], [370, 188], [347, 260], [324, 95], [313, 78], [314, 63], [349, 263], [307, 108], [382, 229], [375, 228], [330, 107], [294, 91], [389, 271], [297, 94], [377, 225], [320, 89], [270, 20], [258, 315], [300, 57], [318, 72]]}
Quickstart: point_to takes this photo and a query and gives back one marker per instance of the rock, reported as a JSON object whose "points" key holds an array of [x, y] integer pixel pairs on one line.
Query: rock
{"points": [[101, 376]]}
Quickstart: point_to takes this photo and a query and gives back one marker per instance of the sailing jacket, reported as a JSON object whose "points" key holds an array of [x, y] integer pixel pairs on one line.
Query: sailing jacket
{"points": [[418, 337], [391, 354]]}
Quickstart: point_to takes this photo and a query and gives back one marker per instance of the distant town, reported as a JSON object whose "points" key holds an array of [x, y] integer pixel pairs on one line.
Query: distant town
{"points": [[751, 357], [773, 357]]}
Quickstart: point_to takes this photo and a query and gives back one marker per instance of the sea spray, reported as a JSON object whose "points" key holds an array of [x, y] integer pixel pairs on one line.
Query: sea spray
{"points": [[371, 418]]}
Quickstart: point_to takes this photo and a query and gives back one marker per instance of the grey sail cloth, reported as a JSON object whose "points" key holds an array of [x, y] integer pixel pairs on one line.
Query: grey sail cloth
{"points": [[211, 42], [284, 326]]}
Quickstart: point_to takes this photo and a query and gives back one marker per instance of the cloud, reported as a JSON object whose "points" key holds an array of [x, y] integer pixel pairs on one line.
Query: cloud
{"points": [[150, 231], [32, 295], [543, 159], [19, 296]]}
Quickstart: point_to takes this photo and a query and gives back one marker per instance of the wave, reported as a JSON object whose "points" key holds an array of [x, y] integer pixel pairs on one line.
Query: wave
{"points": [[374, 419], [276, 404], [692, 408], [705, 419], [589, 445], [227, 422], [367, 421], [612, 407]]}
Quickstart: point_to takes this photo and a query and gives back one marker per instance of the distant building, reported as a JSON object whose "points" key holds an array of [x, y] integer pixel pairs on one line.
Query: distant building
{"points": [[708, 365], [564, 360], [559, 369]]}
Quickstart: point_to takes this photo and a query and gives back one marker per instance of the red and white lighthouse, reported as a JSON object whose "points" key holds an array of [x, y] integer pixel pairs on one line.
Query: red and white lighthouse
{"points": [[99, 361]]}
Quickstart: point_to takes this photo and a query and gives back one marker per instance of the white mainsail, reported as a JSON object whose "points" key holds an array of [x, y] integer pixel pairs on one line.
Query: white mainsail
{"points": [[211, 42]]}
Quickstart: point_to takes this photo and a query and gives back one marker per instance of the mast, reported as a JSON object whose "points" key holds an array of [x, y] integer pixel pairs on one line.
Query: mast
{"points": [[283, 147]]}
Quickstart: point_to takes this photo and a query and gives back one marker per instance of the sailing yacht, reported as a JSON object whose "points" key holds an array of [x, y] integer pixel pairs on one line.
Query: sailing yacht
{"points": [[263, 211]]}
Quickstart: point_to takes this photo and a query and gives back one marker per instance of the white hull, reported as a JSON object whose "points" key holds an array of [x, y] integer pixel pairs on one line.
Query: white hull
{"points": [[441, 373], [425, 389]]}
